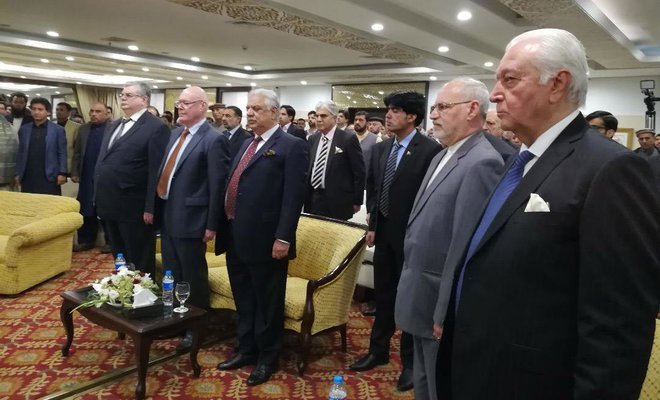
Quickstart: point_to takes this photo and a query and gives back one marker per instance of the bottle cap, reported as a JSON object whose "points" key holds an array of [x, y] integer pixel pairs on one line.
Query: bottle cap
{"points": [[168, 272], [120, 255], [338, 380]]}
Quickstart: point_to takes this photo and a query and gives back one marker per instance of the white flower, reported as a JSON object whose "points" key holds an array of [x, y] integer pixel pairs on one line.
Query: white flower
{"points": [[113, 294], [137, 288]]}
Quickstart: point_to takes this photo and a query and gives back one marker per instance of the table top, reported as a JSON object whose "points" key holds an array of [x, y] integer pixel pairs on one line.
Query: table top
{"points": [[141, 325]]}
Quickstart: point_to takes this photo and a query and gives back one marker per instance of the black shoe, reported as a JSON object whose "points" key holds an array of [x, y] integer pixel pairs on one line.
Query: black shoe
{"points": [[261, 374], [83, 247], [185, 344], [368, 309], [106, 249], [239, 360], [368, 362], [405, 381]]}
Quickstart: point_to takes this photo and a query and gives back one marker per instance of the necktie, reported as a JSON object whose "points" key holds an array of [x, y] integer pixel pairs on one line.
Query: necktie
{"points": [[501, 193], [227, 133], [120, 132], [232, 189], [161, 189], [390, 169], [319, 166]]}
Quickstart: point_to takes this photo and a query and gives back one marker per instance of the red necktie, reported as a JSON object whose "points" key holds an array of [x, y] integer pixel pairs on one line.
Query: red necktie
{"points": [[169, 165], [232, 189]]}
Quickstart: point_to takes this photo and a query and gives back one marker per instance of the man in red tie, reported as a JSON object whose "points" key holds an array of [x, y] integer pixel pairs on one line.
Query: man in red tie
{"points": [[264, 197], [191, 182]]}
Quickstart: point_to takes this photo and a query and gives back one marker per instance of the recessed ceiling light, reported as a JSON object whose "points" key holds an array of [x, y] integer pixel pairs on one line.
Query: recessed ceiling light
{"points": [[178, 78], [443, 49], [45, 60], [205, 77], [354, 102], [253, 84], [194, 59], [188, 85], [38, 95], [155, 87], [23, 76], [133, 48], [121, 71], [70, 58], [433, 78], [373, 102], [57, 92], [248, 68], [78, 83], [464, 15], [145, 69], [488, 64], [52, 34], [377, 27], [227, 84], [303, 82], [381, 92], [348, 97]]}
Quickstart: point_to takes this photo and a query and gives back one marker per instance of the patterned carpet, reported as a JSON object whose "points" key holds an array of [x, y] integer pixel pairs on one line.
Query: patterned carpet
{"points": [[32, 367]]}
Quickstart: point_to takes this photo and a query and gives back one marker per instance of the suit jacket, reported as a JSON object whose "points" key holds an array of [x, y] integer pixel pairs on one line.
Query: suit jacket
{"points": [[27, 118], [55, 150], [407, 179], [126, 174], [440, 226], [554, 305], [71, 128], [270, 195], [296, 131], [504, 147], [366, 145], [79, 149], [237, 140], [345, 173], [194, 201]]}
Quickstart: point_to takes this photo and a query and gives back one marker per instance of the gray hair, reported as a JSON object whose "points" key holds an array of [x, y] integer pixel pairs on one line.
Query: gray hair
{"points": [[143, 88], [270, 97], [559, 49], [328, 105], [473, 89]]}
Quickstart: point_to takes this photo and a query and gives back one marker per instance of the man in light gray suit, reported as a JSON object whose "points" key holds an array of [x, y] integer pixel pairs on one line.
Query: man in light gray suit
{"points": [[446, 209]]}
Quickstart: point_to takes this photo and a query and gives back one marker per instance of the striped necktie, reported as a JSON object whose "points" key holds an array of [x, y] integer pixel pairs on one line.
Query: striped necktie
{"points": [[390, 169], [319, 166]]}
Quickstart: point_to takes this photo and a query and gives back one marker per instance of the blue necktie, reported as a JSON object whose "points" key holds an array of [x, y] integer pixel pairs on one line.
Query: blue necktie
{"points": [[390, 169], [502, 192]]}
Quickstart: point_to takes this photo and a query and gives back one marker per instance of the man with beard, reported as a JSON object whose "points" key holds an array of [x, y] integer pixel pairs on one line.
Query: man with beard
{"points": [[367, 139], [20, 115]]}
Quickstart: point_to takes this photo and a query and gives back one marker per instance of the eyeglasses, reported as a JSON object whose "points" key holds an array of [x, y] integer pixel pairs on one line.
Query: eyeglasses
{"points": [[129, 95], [446, 106], [185, 104]]}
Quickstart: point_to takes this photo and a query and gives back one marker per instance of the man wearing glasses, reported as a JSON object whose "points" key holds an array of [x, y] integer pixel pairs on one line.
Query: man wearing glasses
{"points": [[126, 176]]}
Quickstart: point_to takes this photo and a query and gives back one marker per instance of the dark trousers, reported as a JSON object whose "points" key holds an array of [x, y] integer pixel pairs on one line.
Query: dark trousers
{"points": [[388, 262], [319, 204], [136, 240], [258, 290], [89, 229], [443, 362], [186, 258]]}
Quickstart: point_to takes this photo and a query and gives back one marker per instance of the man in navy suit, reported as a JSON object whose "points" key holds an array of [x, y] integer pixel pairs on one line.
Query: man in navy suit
{"points": [[41, 161], [191, 182], [231, 120], [264, 196], [126, 175], [287, 117], [548, 302]]}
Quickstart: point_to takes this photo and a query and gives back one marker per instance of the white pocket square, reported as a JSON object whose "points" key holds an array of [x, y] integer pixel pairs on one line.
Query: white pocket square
{"points": [[537, 204], [338, 150]]}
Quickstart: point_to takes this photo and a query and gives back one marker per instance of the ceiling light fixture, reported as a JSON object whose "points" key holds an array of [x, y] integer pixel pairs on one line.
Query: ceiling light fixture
{"points": [[78, 83], [52, 34], [248, 68], [70, 58], [488, 64], [188, 85], [373, 102], [38, 95], [205, 77], [227, 84], [194, 59], [354, 102], [45, 60], [443, 49], [178, 78], [348, 97], [303, 82], [381, 92], [464, 15], [155, 87], [253, 84], [133, 48], [145, 69], [57, 92], [433, 78], [23, 77], [377, 27], [121, 71]]}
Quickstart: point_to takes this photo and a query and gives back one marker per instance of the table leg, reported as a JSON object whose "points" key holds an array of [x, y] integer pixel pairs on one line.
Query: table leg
{"points": [[142, 346], [194, 349], [67, 321]]}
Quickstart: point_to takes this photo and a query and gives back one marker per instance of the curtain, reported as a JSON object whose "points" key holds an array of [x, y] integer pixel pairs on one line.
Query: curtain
{"points": [[88, 95]]}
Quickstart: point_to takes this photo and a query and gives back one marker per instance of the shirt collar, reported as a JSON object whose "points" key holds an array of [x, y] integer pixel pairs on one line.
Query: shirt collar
{"points": [[454, 147], [193, 129], [137, 115], [285, 128], [266, 135], [232, 131], [544, 141], [406, 141], [330, 133]]}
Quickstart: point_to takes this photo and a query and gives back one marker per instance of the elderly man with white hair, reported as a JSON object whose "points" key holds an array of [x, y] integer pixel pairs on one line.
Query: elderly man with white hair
{"points": [[557, 293]]}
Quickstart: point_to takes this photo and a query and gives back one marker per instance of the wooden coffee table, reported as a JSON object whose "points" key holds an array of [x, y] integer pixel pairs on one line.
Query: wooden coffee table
{"points": [[143, 331]]}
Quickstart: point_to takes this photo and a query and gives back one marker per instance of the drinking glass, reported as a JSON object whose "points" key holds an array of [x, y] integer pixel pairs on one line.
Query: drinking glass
{"points": [[182, 292]]}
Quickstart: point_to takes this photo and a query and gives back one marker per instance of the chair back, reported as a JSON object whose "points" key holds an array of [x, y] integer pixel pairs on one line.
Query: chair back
{"points": [[20, 209], [651, 387]]}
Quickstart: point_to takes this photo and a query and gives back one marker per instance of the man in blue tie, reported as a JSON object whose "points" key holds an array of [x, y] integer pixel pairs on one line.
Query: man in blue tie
{"points": [[548, 302]]}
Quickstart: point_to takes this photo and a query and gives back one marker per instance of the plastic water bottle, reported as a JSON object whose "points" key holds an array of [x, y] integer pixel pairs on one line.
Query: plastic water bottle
{"points": [[337, 391], [120, 261], [168, 289]]}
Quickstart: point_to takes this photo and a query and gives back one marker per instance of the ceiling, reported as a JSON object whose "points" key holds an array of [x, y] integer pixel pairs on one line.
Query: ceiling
{"points": [[285, 42]]}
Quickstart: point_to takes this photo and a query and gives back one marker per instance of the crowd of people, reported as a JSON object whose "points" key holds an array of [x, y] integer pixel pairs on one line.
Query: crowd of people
{"points": [[514, 248]]}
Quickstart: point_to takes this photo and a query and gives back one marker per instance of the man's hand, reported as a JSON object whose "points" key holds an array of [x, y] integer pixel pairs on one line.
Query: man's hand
{"points": [[148, 218], [75, 179], [280, 250], [371, 237], [61, 179], [356, 208], [437, 331], [368, 215], [17, 180], [208, 235]]}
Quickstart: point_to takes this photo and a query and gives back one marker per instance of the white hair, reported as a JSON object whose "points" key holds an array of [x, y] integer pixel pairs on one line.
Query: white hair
{"points": [[328, 105], [473, 89], [559, 49], [270, 97]]}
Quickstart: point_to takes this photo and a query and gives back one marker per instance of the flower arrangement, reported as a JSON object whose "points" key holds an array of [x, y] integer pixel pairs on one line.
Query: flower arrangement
{"points": [[119, 288]]}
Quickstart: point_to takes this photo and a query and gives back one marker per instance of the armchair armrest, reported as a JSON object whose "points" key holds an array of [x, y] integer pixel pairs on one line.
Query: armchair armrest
{"points": [[43, 230]]}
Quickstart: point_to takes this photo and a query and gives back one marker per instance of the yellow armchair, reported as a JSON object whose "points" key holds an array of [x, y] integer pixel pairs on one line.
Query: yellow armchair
{"points": [[320, 282], [651, 387], [36, 237]]}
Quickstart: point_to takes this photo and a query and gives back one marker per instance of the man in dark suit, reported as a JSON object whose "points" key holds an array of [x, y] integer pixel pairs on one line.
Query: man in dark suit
{"points": [[397, 168], [287, 117], [231, 120], [41, 161], [457, 182], [20, 114], [126, 175], [337, 171], [86, 149], [548, 302], [265, 193], [192, 178]]}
